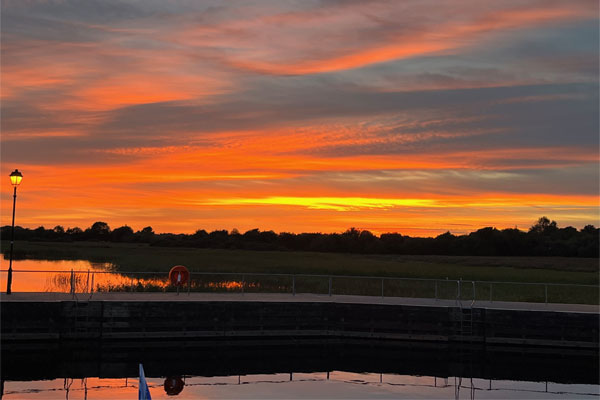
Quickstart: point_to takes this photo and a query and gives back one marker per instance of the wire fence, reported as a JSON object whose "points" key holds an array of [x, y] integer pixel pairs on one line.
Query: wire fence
{"points": [[90, 281]]}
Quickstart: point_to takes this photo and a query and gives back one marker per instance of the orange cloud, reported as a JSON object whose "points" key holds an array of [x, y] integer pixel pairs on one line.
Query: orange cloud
{"points": [[443, 36], [232, 155]]}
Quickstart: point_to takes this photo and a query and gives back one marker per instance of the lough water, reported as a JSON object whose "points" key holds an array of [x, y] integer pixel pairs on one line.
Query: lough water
{"points": [[54, 276], [292, 370], [318, 385]]}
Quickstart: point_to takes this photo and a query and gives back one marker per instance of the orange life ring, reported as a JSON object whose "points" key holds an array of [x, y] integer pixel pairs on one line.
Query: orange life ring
{"points": [[179, 275]]}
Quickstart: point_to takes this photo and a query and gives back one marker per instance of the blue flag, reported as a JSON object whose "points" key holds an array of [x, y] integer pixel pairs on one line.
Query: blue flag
{"points": [[143, 391]]}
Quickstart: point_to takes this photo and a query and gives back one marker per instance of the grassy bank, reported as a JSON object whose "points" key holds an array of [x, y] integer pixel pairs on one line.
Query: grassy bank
{"points": [[141, 257]]}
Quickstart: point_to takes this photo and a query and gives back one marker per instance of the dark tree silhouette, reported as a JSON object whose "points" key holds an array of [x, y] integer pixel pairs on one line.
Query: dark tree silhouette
{"points": [[122, 234], [544, 238]]}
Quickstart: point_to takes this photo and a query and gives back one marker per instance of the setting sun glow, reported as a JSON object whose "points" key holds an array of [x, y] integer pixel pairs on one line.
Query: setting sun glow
{"points": [[301, 117]]}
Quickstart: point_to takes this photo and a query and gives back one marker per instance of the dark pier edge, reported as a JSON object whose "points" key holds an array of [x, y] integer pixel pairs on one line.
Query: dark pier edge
{"points": [[97, 338]]}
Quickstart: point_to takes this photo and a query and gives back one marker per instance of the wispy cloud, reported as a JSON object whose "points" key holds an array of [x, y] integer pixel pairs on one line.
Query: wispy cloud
{"points": [[312, 115]]}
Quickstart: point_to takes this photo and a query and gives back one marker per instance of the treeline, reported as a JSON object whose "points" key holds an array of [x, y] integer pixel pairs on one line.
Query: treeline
{"points": [[544, 238]]}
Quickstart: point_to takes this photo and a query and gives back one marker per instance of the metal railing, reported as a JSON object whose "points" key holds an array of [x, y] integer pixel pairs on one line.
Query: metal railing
{"points": [[90, 281]]}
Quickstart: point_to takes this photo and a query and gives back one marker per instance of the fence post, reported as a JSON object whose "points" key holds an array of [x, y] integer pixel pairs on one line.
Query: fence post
{"points": [[72, 283], [293, 285], [382, 288], [330, 283]]}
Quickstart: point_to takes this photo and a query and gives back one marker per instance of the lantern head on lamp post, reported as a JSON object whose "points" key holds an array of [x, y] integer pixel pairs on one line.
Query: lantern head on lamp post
{"points": [[15, 179]]}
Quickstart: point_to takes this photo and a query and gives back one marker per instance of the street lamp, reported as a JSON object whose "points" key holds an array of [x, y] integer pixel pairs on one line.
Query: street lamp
{"points": [[15, 179]]}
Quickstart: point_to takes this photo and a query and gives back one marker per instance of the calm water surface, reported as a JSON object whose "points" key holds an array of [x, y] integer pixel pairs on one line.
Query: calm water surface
{"points": [[291, 370], [55, 276], [88, 275], [334, 385]]}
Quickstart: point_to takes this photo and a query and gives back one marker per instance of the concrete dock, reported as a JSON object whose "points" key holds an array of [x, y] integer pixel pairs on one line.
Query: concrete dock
{"points": [[300, 298], [201, 316]]}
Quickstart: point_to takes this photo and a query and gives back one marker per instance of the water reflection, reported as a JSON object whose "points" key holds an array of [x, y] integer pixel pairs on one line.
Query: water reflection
{"points": [[42, 276], [174, 385], [294, 369], [89, 277], [332, 384]]}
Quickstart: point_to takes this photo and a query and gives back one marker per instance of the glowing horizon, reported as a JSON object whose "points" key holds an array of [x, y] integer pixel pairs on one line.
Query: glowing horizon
{"points": [[301, 117]]}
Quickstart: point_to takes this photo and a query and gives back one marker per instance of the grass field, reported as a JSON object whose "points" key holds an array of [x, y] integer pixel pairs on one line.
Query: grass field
{"points": [[137, 258], [141, 257]]}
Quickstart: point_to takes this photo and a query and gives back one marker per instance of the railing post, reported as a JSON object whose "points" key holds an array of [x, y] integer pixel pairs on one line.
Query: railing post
{"points": [[330, 283], [491, 291], [473, 282], [189, 283], [382, 288], [243, 283], [436, 291], [546, 293], [293, 285], [72, 282]]}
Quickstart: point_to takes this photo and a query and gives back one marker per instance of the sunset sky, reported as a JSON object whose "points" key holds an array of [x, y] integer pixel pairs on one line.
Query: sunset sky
{"points": [[411, 116]]}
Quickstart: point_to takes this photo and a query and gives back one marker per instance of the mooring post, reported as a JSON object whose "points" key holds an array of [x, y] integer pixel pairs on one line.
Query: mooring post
{"points": [[293, 285], [330, 285]]}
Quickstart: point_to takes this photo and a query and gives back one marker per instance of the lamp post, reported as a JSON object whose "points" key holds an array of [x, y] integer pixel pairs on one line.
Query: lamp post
{"points": [[15, 179]]}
